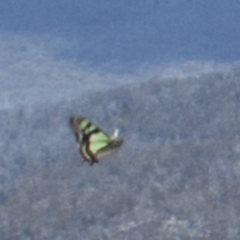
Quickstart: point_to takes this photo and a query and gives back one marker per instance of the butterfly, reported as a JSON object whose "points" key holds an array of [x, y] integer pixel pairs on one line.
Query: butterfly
{"points": [[94, 142]]}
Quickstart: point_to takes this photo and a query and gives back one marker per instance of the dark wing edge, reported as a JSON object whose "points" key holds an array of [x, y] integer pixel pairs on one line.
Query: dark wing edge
{"points": [[83, 148], [72, 122], [87, 155]]}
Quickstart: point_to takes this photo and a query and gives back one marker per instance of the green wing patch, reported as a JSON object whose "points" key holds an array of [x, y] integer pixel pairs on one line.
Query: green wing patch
{"points": [[93, 142]]}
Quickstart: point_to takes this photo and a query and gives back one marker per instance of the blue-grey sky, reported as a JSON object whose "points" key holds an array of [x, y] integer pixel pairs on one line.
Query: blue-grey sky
{"points": [[128, 31], [51, 48]]}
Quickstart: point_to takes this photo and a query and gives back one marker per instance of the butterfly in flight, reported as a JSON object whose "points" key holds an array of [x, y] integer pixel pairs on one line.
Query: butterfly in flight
{"points": [[94, 143]]}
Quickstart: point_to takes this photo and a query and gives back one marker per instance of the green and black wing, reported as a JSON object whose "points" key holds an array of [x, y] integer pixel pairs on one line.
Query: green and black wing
{"points": [[93, 142]]}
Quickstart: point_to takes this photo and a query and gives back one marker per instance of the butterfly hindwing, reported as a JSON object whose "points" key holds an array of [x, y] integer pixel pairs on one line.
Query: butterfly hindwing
{"points": [[93, 142], [97, 141]]}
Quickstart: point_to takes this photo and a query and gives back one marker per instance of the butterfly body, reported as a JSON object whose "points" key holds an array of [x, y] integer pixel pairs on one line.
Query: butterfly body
{"points": [[93, 142]]}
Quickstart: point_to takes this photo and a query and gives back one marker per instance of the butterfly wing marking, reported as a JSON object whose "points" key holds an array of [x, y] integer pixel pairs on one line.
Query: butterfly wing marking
{"points": [[93, 142]]}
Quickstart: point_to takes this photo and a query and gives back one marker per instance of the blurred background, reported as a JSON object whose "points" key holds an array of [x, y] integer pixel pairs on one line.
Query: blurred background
{"points": [[166, 73]]}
